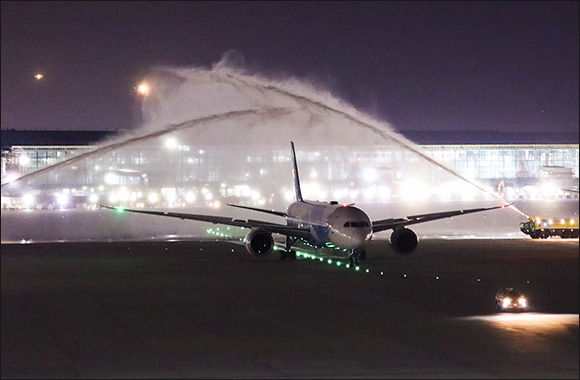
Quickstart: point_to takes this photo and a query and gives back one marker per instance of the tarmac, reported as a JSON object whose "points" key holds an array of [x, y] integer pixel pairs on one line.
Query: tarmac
{"points": [[208, 309]]}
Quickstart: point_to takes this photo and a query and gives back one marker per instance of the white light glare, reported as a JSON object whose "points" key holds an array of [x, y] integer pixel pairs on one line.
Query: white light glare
{"points": [[370, 175], [23, 160], [153, 197], [190, 197], [171, 143], [27, 200], [62, 199]]}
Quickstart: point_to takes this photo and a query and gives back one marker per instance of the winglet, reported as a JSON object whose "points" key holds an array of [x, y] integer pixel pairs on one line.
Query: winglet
{"points": [[295, 174]]}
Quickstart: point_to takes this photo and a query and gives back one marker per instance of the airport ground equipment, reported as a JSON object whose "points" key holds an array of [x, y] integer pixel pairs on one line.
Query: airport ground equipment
{"points": [[539, 228]]}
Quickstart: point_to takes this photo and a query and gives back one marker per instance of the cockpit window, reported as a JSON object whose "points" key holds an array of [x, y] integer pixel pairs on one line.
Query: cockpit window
{"points": [[356, 224]]}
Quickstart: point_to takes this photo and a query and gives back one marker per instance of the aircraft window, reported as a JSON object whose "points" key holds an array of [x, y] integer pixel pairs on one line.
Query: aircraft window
{"points": [[356, 224]]}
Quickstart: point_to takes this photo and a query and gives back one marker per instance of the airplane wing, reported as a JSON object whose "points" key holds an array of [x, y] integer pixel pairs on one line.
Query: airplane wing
{"points": [[273, 212], [229, 221], [393, 223]]}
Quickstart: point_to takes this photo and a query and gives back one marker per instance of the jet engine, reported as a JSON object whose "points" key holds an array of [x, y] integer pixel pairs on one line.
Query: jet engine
{"points": [[403, 240], [259, 242]]}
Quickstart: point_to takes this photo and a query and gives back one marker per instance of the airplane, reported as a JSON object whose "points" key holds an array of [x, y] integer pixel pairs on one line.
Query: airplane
{"points": [[319, 224]]}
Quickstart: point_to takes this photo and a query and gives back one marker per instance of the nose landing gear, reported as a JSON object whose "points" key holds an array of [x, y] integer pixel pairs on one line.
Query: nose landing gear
{"points": [[355, 256]]}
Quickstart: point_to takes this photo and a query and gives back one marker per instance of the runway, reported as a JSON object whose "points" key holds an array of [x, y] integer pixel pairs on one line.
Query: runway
{"points": [[208, 309]]}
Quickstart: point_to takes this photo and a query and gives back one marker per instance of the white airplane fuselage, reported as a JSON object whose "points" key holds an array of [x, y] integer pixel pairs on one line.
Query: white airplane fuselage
{"points": [[342, 225]]}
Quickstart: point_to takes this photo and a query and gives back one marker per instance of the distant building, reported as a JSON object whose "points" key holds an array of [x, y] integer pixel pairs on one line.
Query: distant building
{"points": [[513, 165]]}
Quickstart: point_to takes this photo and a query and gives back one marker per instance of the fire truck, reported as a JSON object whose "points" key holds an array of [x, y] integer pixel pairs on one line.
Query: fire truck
{"points": [[539, 228]]}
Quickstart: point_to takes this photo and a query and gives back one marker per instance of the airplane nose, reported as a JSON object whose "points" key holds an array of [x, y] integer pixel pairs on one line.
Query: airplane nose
{"points": [[351, 227]]}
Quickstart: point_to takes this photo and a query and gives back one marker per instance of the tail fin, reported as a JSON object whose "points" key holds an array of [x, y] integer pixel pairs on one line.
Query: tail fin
{"points": [[295, 174]]}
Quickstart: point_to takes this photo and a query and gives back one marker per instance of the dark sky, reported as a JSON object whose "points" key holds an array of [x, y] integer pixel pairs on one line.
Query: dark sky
{"points": [[507, 66]]}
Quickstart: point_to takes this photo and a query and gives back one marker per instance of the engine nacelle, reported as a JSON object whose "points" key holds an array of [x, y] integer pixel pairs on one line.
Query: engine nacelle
{"points": [[403, 240], [259, 242]]}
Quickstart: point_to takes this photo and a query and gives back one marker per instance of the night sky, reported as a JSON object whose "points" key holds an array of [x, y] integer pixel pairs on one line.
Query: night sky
{"points": [[506, 66]]}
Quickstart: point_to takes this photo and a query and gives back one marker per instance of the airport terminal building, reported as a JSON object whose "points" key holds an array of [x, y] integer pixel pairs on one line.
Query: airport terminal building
{"points": [[512, 165]]}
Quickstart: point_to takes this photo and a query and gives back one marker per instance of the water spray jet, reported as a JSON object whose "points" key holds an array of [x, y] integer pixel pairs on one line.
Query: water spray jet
{"points": [[384, 134], [257, 103], [169, 129]]}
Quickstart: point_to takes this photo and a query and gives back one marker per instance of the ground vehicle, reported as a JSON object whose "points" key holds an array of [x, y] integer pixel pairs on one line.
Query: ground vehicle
{"points": [[544, 228], [510, 299]]}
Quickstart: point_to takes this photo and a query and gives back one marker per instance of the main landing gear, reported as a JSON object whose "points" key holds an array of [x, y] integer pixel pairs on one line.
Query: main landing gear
{"points": [[288, 252]]}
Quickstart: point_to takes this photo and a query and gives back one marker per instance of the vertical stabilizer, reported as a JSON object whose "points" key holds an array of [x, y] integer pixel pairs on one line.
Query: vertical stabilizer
{"points": [[295, 174]]}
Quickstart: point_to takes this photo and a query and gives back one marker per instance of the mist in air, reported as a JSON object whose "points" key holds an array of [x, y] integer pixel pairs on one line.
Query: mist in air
{"points": [[231, 110], [289, 109]]}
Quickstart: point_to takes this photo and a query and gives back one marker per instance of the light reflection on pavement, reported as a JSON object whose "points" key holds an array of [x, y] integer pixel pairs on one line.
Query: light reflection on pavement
{"points": [[529, 322]]}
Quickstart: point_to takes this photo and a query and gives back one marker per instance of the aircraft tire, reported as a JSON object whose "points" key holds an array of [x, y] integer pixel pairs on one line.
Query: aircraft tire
{"points": [[288, 255]]}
